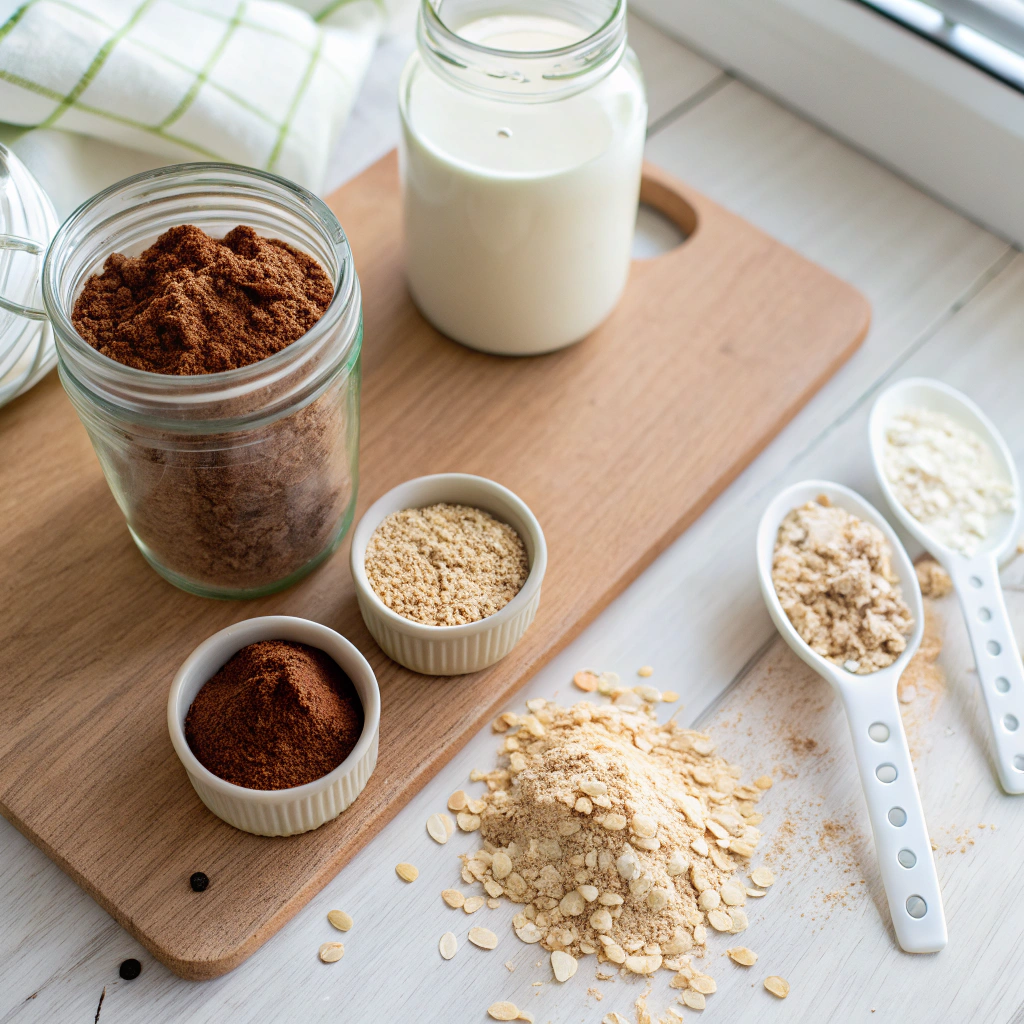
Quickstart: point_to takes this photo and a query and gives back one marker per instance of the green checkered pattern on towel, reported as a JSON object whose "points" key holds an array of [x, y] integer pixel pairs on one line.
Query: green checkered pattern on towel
{"points": [[251, 81]]}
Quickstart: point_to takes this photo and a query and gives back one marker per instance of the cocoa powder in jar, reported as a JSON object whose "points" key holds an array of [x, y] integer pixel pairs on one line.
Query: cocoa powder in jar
{"points": [[238, 511]]}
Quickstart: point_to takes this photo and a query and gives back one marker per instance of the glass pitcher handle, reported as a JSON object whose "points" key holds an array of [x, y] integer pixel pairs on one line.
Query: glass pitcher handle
{"points": [[35, 249]]}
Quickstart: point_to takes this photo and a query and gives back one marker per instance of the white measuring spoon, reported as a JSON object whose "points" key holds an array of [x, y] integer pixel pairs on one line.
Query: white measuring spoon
{"points": [[975, 578], [879, 742]]}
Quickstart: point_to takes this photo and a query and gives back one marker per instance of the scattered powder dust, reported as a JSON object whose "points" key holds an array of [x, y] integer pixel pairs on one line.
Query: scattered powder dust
{"points": [[834, 577], [617, 836], [445, 565], [932, 578], [923, 685], [801, 745], [959, 839]]}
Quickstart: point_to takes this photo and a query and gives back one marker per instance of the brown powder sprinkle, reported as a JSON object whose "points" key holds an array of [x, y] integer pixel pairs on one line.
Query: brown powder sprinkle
{"points": [[834, 577], [193, 304], [445, 565], [278, 714]]}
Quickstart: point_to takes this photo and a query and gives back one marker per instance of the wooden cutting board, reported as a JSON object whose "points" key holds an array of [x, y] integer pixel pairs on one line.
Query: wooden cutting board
{"points": [[617, 444]]}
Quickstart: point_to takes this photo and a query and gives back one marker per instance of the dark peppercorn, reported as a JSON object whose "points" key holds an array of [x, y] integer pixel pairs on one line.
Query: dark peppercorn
{"points": [[199, 882], [130, 969]]}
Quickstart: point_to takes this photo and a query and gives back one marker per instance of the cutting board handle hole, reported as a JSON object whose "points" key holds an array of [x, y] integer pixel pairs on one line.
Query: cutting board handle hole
{"points": [[665, 220]]}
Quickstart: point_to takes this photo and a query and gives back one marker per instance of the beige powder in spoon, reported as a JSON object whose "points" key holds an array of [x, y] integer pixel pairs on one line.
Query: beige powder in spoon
{"points": [[834, 577]]}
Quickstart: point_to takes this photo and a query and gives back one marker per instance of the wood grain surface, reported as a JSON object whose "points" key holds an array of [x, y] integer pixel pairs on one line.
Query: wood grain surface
{"points": [[617, 444]]}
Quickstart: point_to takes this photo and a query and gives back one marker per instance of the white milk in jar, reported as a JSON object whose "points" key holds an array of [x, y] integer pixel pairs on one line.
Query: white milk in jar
{"points": [[521, 152]]}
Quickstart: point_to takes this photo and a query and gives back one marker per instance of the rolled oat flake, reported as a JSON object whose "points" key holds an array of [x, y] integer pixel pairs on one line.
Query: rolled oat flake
{"points": [[503, 1011], [331, 952]]}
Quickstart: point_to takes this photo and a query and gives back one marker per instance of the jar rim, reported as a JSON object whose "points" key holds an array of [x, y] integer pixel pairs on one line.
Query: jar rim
{"points": [[344, 282], [430, 12], [569, 69]]}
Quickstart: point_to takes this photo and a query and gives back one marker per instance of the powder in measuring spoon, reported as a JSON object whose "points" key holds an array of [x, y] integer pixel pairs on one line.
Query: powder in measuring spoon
{"points": [[834, 577], [945, 476], [445, 565]]}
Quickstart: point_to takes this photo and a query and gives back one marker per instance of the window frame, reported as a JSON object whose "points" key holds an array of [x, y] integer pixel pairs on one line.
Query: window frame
{"points": [[953, 128]]}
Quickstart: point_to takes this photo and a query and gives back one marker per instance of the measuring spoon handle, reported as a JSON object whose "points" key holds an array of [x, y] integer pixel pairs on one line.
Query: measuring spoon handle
{"points": [[1000, 671], [894, 807]]}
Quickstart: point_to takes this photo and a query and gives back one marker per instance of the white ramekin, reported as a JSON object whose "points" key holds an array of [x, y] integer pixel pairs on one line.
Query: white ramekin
{"points": [[277, 812], [451, 650]]}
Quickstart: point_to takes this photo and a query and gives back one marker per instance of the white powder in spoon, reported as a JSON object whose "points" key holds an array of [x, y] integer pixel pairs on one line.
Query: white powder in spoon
{"points": [[946, 477]]}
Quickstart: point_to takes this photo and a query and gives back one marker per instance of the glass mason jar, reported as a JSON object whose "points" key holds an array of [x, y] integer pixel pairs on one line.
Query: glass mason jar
{"points": [[523, 127], [233, 484]]}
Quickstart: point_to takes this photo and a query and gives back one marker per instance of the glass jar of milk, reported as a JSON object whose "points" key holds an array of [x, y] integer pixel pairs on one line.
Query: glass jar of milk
{"points": [[523, 126]]}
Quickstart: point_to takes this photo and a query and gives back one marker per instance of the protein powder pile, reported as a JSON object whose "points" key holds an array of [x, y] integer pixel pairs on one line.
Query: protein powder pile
{"points": [[946, 477], [834, 577], [618, 836]]}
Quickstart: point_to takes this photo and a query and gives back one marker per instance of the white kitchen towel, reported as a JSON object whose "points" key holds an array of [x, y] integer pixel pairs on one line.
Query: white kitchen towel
{"points": [[255, 82]]}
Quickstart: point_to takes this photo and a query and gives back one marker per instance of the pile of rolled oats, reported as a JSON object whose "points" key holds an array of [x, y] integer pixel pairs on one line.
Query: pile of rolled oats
{"points": [[617, 836]]}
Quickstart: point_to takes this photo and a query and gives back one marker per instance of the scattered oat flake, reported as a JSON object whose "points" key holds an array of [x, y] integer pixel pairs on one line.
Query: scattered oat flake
{"points": [[585, 681], [563, 965], [694, 1000], [448, 945], [340, 920], [525, 1015], [764, 782], [529, 932], [614, 1018], [483, 937], [473, 904], [742, 955], [643, 1015], [457, 801], [468, 822], [755, 892], [645, 672], [331, 952], [510, 966], [777, 986], [720, 920], [493, 903], [407, 872], [453, 898], [503, 1011], [762, 877], [669, 696], [439, 828]]}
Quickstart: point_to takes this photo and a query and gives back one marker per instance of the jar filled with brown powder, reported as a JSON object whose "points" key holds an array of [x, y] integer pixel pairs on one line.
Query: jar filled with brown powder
{"points": [[208, 324]]}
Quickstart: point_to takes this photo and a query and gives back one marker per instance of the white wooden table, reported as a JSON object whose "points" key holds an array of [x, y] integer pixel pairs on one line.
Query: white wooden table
{"points": [[948, 301]]}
